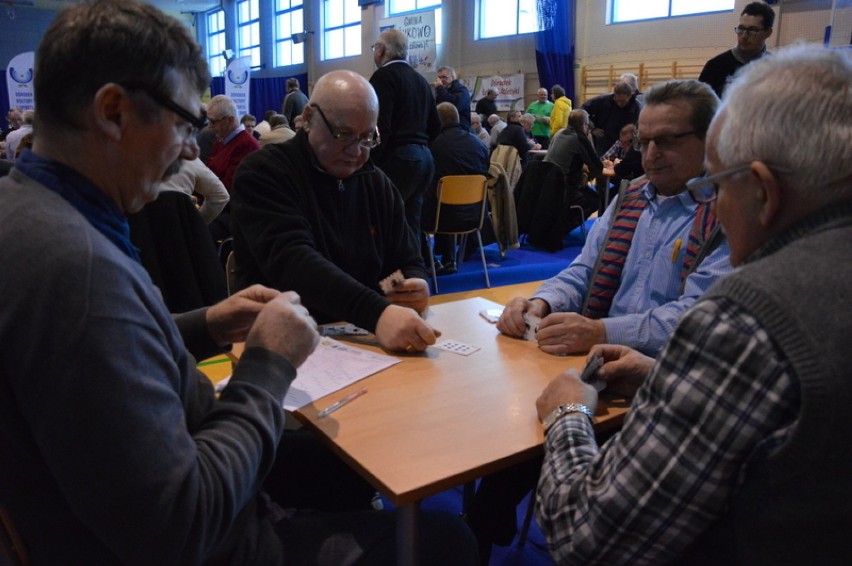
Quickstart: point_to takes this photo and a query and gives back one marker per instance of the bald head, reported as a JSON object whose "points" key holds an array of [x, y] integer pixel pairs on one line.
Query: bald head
{"points": [[340, 121], [341, 92]]}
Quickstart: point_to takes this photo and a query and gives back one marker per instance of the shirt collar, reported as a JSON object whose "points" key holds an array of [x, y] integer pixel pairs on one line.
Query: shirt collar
{"points": [[233, 134]]}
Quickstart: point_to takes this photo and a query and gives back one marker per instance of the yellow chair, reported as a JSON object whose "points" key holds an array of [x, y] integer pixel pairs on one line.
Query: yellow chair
{"points": [[455, 191]]}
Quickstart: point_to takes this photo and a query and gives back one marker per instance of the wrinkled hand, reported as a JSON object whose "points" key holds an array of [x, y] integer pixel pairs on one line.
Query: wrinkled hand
{"points": [[512, 322], [401, 329], [285, 327], [566, 388], [624, 368], [412, 293], [230, 320], [569, 333]]}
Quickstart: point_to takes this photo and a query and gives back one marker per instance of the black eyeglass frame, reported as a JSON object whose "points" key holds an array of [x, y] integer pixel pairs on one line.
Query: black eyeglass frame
{"points": [[748, 31], [349, 141], [663, 142], [198, 123]]}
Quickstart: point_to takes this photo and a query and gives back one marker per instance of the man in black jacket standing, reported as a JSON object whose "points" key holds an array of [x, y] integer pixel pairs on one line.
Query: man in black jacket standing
{"points": [[407, 123]]}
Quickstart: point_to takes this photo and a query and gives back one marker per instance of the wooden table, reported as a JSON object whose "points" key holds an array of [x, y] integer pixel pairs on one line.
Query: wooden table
{"points": [[438, 419]]}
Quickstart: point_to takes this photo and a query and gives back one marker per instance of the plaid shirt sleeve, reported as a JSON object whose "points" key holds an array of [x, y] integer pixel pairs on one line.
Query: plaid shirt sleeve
{"points": [[720, 396]]}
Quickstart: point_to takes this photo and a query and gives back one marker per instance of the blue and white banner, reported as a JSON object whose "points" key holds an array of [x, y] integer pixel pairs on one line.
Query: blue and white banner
{"points": [[420, 29], [237, 84], [19, 81]]}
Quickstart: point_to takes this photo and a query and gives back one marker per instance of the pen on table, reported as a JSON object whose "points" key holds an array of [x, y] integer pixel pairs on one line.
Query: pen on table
{"points": [[334, 406], [676, 250]]}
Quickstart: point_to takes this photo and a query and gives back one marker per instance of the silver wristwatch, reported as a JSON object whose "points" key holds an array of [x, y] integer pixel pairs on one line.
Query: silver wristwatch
{"points": [[563, 410]]}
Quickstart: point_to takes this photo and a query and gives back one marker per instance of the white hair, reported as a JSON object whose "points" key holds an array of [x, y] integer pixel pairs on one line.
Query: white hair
{"points": [[769, 117]]}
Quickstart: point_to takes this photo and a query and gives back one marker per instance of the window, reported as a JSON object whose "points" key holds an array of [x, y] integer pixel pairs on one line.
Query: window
{"points": [[396, 7], [498, 18], [341, 29], [248, 31], [216, 42], [633, 10], [289, 19], [400, 6]]}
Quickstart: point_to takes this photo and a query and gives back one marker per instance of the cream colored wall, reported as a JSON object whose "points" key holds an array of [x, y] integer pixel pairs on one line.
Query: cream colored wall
{"points": [[687, 40]]}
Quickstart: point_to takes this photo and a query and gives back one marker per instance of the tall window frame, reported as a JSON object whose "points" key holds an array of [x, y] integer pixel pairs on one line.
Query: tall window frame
{"points": [[400, 7], [341, 29], [289, 17], [627, 11], [248, 31], [216, 42], [502, 18]]}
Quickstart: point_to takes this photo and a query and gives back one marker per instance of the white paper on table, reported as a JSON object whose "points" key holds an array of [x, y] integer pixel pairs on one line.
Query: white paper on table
{"points": [[331, 367]]}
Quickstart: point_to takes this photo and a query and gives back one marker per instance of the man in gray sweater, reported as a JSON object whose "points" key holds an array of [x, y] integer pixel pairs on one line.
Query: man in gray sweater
{"points": [[735, 450]]}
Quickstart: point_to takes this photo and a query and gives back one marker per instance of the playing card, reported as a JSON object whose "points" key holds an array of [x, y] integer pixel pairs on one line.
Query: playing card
{"points": [[532, 323], [589, 374], [457, 347], [388, 283], [341, 330]]}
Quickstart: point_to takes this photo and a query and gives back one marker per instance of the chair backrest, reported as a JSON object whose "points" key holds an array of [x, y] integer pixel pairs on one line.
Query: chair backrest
{"points": [[457, 195], [530, 187]]}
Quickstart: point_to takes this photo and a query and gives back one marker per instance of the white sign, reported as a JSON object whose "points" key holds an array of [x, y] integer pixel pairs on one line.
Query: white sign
{"points": [[420, 30], [510, 90], [19, 81], [237, 83]]}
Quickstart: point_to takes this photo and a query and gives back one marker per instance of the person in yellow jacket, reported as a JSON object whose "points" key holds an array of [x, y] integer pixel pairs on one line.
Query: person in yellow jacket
{"points": [[561, 109]]}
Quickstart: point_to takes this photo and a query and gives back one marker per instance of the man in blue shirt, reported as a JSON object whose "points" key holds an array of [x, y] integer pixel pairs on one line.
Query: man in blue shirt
{"points": [[652, 254], [654, 285]]}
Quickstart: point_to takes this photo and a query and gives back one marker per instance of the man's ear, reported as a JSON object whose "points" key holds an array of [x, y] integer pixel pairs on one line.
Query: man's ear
{"points": [[769, 193], [109, 109]]}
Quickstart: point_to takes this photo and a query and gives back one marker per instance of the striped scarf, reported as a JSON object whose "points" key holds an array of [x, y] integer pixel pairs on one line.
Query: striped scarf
{"points": [[606, 278]]}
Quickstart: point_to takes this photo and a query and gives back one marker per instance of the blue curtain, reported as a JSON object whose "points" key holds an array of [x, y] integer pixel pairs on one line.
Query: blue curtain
{"points": [[264, 94], [554, 45]]}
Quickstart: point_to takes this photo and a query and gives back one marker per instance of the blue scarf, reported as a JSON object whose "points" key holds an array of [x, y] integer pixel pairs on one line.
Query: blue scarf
{"points": [[91, 202]]}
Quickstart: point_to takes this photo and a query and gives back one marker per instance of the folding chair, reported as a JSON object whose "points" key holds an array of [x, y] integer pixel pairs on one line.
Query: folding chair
{"points": [[455, 215]]}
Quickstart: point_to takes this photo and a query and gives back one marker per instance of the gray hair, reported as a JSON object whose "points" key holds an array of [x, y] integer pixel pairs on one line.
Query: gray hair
{"points": [[578, 118], [696, 94], [768, 117], [630, 79], [395, 42], [222, 106], [450, 70], [527, 119]]}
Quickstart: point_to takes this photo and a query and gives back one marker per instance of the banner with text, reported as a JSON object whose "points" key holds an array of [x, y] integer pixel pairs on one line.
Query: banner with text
{"points": [[19, 81], [420, 30], [510, 90], [237, 84]]}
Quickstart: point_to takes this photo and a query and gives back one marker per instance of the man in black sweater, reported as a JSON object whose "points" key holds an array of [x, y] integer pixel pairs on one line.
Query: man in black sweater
{"points": [[313, 215], [407, 123]]}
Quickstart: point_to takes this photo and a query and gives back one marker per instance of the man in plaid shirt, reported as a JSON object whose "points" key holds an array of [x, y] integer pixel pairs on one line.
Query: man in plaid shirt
{"points": [[736, 448]]}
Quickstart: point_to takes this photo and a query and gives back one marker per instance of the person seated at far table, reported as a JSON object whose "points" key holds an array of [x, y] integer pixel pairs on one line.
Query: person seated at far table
{"points": [[334, 226], [497, 125], [735, 447], [622, 161], [477, 129], [279, 130], [515, 134], [632, 296], [456, 152]]}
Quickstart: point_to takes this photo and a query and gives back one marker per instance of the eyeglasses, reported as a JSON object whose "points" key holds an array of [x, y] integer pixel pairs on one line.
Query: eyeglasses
{"points": [[369, 141], [663, 143], [706, 189], [739, 30], [444, 77], [194, 123]]}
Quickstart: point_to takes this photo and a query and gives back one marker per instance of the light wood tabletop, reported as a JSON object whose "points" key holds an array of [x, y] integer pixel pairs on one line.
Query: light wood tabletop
{"points": [[439, 419]]}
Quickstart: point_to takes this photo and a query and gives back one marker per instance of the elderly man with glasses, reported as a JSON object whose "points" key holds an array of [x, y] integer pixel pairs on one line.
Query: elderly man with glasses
{"points": [[651, 255], [754, 29], [734, 451], [314, 215]]}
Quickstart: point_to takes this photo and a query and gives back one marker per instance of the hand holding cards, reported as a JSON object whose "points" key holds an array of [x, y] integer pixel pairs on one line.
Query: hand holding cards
{"points": [[590, 372], [393, 280], [531, 322]]}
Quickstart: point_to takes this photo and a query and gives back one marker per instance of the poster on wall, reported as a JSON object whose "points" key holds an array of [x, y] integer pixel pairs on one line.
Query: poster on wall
{"points": [[420, 30], [510, 90], [19, 81], [237, 83]]}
